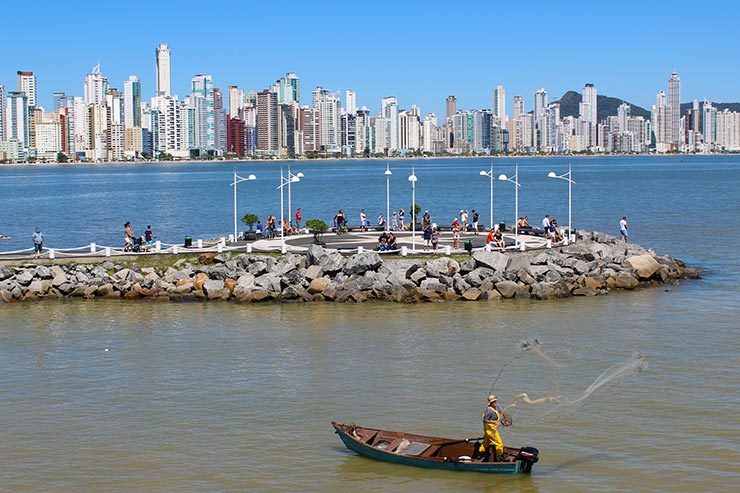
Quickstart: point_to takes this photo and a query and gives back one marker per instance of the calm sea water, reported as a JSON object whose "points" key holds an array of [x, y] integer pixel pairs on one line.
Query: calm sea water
{"points": [[223, 397]]}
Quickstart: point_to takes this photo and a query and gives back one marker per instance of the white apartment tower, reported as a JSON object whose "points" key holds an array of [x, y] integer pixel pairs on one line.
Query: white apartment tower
{"points": [[163, 69], [518, 107], [16, 118], [389, 111], [589, 112], [2, 113], [499, 105], [350, 101], [96, 86], [27, 84], [674, 101], [132, 102]]}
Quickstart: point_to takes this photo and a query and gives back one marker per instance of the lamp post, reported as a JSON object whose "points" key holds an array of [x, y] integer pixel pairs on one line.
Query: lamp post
{"points": [[569, 178], [387, 196], [298, 175], [490, 175], [413, 179], [284, 181], [238, 179], [515, 180]]}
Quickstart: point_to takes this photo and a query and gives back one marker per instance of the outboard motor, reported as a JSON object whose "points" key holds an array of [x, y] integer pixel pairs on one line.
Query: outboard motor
{"points": [[529, 456]]}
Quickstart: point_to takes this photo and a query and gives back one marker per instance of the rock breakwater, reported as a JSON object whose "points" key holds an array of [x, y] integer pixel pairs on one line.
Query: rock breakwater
{"points": [[594, 265]]}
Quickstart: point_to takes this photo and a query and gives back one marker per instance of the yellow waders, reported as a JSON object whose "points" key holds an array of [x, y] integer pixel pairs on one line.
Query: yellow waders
{"points": [[491, 436]]}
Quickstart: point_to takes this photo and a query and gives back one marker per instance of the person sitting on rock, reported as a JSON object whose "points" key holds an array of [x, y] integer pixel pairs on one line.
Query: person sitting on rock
{"points": [[556, 237], [392, 242], [489, 238]]}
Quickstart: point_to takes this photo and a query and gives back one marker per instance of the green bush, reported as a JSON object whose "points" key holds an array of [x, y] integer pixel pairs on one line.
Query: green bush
{"points": [[250, 220], [317, 226]]}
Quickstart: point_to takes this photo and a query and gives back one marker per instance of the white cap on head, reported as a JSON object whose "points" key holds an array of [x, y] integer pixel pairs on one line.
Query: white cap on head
{"points": [[492, 398]]}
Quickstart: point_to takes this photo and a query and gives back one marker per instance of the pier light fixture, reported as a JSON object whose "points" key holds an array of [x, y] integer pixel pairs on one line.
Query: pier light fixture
{"points": [[515, 180], [238, 179], [492, 178], [294, 178], [412, 179], [569, 178], [285, 181], [388, 174]]}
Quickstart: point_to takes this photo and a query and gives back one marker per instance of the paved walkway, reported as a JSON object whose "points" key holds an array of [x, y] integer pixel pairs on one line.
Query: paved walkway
{"points": [[349, 242]]}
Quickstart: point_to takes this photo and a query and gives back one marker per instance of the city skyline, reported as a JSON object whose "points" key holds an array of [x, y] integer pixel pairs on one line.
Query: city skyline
{"points": [[424, 73]]}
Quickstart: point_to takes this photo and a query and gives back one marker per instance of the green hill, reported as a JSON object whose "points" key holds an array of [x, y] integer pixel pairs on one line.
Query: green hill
{"points": [[607, 106]]}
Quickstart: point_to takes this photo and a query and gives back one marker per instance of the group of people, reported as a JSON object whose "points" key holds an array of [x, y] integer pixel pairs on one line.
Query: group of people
{"points": [[387, 242], [133, 243], [551, 229]]}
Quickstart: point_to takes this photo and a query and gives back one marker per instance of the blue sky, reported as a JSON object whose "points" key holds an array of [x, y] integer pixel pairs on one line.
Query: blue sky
{"points": [[420, 52]]}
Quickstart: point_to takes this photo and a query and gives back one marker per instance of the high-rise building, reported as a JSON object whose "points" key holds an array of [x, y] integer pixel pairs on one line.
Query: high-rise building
{"points": [[389, 111], [96, 85], [132, 102], [267, 122], [589, 112], [674, 101], [450, 107], [350, 101], [163, 69], [540, 103], [60, 100], [202, 97], [27, 84], [2, 113], [236, 102], [289, 89], [518, 107], [499, 105], [17, 125], [328, 106], [220, 118]]}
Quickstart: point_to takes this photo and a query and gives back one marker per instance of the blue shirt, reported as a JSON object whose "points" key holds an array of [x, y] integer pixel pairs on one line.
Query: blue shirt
{"points": [[38, 238]]}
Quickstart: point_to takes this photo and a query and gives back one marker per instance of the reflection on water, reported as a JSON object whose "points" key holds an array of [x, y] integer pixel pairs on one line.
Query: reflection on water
{"points": [[193, 397]]}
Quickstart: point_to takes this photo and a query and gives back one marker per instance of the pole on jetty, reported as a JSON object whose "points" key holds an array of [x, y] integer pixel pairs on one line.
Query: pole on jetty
{"points": [[387, 196], [238, 179], [291, 177], [283, 182], [569, 178], [492, 178], [413, 179], [515, 180]]}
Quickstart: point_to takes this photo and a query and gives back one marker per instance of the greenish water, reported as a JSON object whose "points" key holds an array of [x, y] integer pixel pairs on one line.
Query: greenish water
{"points": [[226, 397], [223, 397]]}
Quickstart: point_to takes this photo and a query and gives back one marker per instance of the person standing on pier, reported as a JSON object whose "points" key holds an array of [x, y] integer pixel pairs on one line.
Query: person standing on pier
{"points": [[298, 218], [363, 220], [401, 219], [38, 242], [623, 228]]}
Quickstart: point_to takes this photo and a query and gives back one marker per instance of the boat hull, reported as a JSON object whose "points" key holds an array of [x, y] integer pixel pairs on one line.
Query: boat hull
{"points": [[448, 464]]}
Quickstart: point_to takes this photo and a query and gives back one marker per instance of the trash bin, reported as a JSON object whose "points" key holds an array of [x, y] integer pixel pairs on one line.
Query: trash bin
{"points": [[188, 242], [468, 246], [502, 226]]}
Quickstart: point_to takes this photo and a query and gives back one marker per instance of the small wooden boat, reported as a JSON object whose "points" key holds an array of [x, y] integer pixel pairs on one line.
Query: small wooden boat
{"points": [[432, 452]]}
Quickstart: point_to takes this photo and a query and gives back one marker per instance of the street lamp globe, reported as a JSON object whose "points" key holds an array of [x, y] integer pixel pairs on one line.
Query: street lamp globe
{"points": [[388, 172], [552, 174], [484, 173], [412, 178], [503, 177], [299, 174], [251, 177]]}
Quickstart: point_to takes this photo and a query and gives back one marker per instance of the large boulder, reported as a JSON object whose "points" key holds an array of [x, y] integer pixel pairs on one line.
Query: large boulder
{"points": [[507, 288], [270, 282], [216, 290], [362, 262], [432, 284], [443, 266], [644, 265], [318, 285], [331, 263], [517, 262], [24, 278], [493, 260], [625, 280]]}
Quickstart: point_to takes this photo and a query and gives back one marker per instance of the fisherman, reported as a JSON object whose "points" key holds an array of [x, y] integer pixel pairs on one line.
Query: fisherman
{"points": [[491, 421]]}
